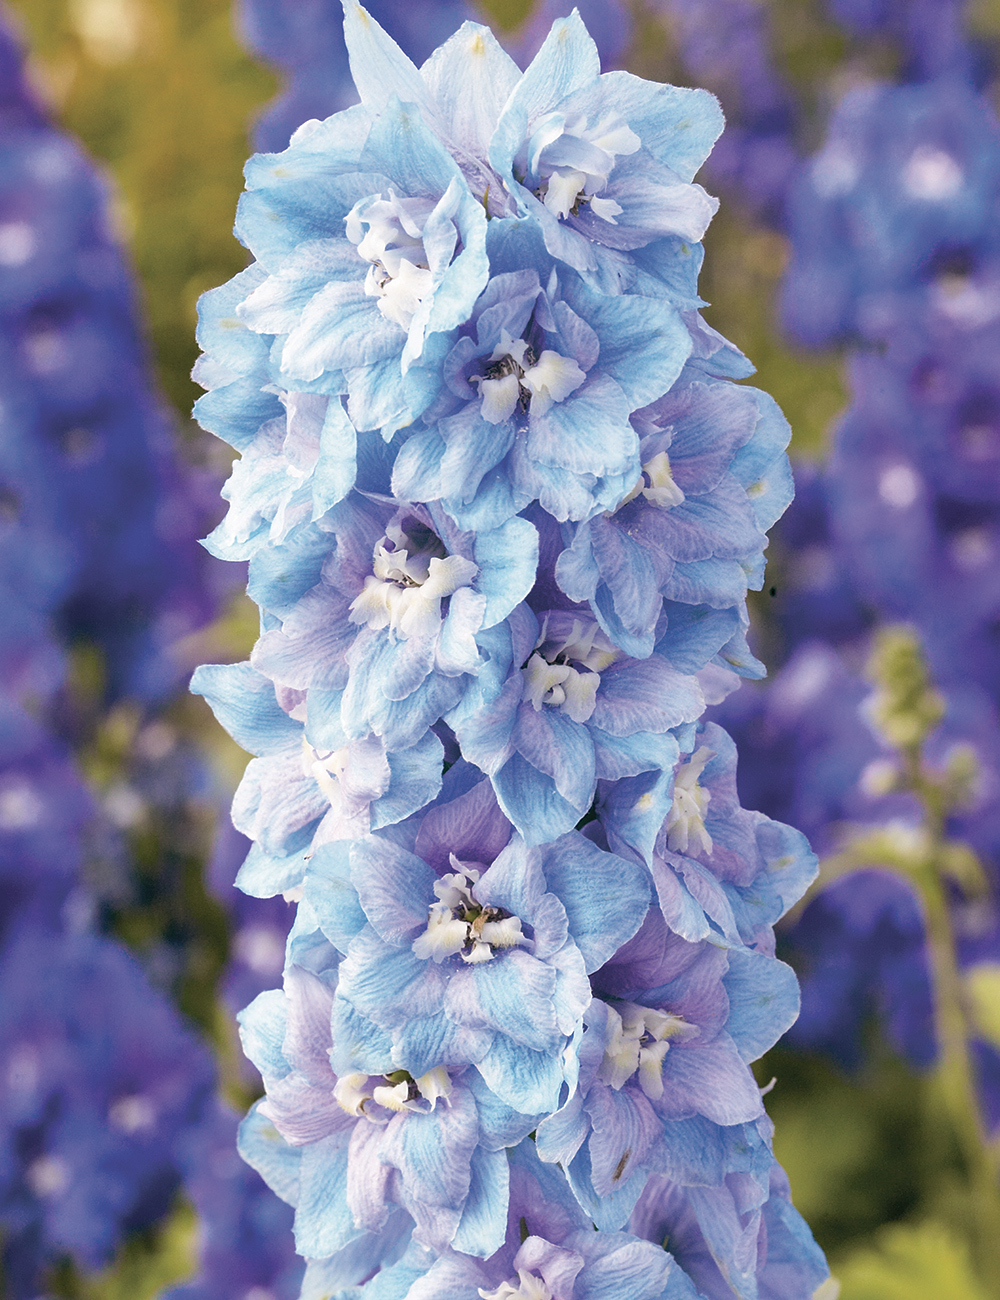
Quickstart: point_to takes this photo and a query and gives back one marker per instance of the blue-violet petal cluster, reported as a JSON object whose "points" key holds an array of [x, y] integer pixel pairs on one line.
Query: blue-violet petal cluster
{"points": [[502, 503]]}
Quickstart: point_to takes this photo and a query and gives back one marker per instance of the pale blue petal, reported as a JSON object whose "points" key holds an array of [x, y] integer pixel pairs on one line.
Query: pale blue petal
{"points": [[323, 1222], [567, 61], [644, 341], [640, 694], [584, 877], [633, 810], [560, 748], [763, 1001], [379, 67], [508, 559], [623, 756], [331, 894], [264, 1149], [527, 1080], [415, 779], [588, 433], [500, 1125], [483, 1225], [532, 803], [677, 125], [470, 78], [695, 633], [626, 1131], [341, 328], [263, 875], [245, 704], [433, 1153], [609, 1212], [262, 1031], [395, 888], [280, 575]]}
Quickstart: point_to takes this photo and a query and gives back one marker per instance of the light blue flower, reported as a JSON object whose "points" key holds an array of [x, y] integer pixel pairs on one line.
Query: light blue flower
{"points": [[603, 163], [377, 611], [299, 793], [669, 1036], [472, 948], [721, 872], [692, 529], [557, 707], [543, 380], [354, 1147]]}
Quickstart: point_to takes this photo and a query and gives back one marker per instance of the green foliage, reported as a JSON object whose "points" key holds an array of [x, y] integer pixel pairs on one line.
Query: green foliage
{"points": [[925, 1261], [982, 988], [852, 1144]]}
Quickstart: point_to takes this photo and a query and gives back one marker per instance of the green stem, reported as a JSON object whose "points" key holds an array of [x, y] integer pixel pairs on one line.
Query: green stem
{"points": [[954, 1072]]}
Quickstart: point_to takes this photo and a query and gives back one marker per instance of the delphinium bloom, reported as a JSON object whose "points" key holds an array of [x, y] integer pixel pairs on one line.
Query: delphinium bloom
{"points": [[533, 954], [102, 1082]]}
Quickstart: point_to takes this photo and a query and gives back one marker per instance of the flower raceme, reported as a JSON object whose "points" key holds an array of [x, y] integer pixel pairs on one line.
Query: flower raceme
{"points": [[502, 503]]}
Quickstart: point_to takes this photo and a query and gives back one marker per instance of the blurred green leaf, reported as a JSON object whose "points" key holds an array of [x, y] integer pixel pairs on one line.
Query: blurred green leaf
{"points": [[982, 987], [910, 1262]]}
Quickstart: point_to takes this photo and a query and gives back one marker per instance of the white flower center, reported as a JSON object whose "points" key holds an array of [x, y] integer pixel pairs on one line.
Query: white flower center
{"points": [[571, 162], [397, 1091], [529, 1286], [325, 769], [517, 376], [412, 574], [685, 824], [399, 275], [551, 677], [656, 484], [459, 923], [638, 1038]]}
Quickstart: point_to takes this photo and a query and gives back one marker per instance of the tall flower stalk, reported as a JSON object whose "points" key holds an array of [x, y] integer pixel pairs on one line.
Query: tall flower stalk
{"points": [[502, 502]]}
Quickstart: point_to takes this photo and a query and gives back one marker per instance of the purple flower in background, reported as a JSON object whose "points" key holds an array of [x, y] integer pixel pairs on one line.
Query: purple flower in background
{"points": [[101, 1080]]}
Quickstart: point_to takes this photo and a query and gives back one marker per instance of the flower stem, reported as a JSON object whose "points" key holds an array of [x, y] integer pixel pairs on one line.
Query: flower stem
{"points": [[954, 1075]]}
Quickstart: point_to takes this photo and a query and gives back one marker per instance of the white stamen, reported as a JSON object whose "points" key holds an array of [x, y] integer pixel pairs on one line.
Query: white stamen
{"points": [[518, 376], [572, 162], [637, 1040], [351, 1091], [529, 1286], [551, 677], [393, 1097], [325, 769], [400, 276], [408, 583], [685, 824], [552, 379], [656, 484], [391, 1092], [458, 922]]}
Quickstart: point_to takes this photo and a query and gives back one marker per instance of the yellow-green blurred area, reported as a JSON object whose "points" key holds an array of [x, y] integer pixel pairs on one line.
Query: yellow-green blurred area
{"points": [[162, 93]]}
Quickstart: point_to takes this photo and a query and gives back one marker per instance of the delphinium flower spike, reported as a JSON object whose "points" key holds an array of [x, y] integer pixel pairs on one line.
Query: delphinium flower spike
{"points": [[502, 503]]}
